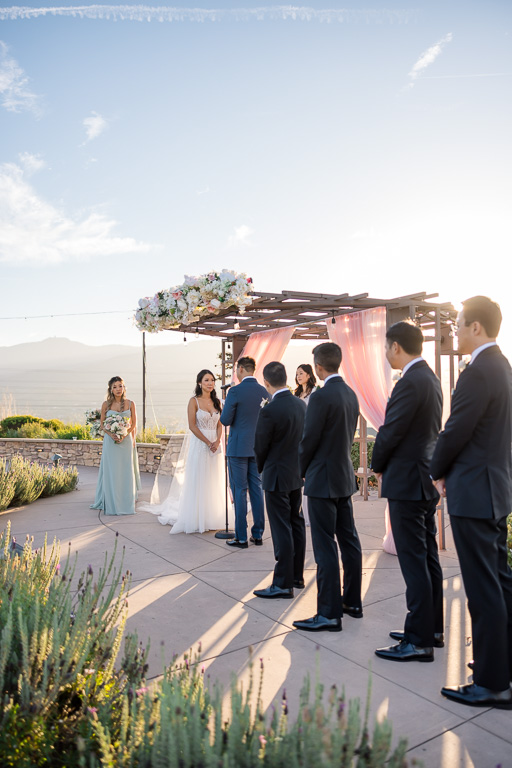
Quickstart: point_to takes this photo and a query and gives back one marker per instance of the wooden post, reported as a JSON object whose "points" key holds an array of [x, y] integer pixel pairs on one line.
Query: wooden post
{"points": [[143, 380], [363, 453]]}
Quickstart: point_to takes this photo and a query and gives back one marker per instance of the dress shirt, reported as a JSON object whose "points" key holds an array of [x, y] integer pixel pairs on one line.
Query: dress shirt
{"points": [[331, 376]]}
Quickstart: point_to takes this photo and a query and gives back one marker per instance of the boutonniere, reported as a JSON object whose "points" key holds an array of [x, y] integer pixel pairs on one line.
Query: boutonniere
{"points": [[463, 364], [396, 376], [264, 402]]}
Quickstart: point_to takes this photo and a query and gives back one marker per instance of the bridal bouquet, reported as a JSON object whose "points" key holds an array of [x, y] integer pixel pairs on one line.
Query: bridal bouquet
{"points": [[117, 424], [196, 297], [92, 418]]}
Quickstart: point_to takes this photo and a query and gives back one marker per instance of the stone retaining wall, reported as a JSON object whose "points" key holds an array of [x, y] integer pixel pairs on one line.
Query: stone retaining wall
{"points": [[88, 452]]}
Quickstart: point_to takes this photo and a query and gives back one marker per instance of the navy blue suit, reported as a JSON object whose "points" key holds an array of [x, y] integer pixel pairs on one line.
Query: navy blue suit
{"points": [[324, 454], [240, 413], [402, 452], [473, 455]]}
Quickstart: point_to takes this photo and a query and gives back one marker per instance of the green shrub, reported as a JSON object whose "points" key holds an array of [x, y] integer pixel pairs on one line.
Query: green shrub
{"points": [[22, 481], [32, 430], [8, 481], [29, 481], [59, 480], [69, 431], [54, 424], [15, 422], [64, 702], [149, 435]]}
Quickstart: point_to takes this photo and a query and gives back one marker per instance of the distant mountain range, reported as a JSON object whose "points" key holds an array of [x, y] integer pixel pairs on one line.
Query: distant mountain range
{"points": [[60, 378]]}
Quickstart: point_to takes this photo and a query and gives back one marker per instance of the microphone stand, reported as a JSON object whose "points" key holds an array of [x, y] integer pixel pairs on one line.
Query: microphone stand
{"points": [[227, 534]]}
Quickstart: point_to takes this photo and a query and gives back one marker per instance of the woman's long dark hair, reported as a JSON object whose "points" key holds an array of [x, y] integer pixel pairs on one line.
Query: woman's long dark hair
{"points": [[311, 382], [198, 391]]}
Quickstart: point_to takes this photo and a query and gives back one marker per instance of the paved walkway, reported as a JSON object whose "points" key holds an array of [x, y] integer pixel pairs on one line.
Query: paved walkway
{"points": [[187, 589]]}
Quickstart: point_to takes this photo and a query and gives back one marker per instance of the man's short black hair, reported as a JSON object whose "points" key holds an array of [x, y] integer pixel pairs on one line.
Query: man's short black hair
{"points": [[247, 363], [485, 311], [275, 374], [408, 335], [328, 355]]}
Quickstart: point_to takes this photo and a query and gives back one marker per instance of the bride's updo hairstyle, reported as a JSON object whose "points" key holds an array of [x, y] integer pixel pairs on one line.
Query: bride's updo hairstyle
{"points": [[110, 395], [198, 390], [311, 382]]}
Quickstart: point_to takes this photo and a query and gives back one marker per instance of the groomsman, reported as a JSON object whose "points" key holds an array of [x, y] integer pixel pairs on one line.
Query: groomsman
{"points": [[240, 412], [278, 433], [472, 467], [402, 453], [331, 421]]}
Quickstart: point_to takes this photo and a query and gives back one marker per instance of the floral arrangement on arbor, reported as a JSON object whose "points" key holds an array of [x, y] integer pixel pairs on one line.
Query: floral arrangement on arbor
{"points": [[92, 418], [196, 297]]}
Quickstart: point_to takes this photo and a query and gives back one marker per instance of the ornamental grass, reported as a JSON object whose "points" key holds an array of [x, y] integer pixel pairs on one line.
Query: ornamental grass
{"points": [[66, 699]]}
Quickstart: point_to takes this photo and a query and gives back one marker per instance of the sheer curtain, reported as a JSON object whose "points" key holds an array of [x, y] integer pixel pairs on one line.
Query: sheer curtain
{"points": [[362, 338], [265, 347]]}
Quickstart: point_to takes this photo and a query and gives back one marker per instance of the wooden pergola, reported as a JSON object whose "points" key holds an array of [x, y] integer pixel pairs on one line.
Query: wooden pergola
{"points": [[309, 314]]}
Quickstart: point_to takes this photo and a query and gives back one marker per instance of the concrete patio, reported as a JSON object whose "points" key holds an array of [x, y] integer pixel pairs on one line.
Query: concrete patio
{"points": [[187, 589]]}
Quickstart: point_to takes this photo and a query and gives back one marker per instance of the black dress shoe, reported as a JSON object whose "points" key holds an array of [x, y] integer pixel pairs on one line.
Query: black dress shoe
{"points": [[258, 542], [477, 696], [319, 623], [237, 543], [398, 634], [299, 583], [273, 591], [405, 652], [356, 613], [471, 664]]}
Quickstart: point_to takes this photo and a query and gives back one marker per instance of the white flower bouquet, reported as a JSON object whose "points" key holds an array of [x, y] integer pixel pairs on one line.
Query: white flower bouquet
{"points": [[93, 420], [196, 297], [117, 424]]}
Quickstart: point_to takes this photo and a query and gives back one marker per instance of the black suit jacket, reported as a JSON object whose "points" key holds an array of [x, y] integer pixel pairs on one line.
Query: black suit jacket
{"points": [[473, 452], [331, 422], [405, 442], [276, 444]]}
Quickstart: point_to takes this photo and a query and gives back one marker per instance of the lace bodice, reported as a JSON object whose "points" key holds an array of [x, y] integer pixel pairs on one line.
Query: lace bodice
{"points": [[206, 421]]}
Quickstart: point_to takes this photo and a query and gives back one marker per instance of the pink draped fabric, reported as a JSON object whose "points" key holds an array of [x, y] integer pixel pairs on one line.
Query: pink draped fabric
{"points": [[362, 338], [265, 347]]}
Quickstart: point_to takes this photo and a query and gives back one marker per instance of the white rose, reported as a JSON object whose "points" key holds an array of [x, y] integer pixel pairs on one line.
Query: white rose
{"points": [[182, 304], [143, 303], [215, 303]]}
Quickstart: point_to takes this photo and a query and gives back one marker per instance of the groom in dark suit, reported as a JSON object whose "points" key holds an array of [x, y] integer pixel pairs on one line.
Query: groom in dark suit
{"points": [[278, 433], [331, 421], [402, 452], [240, 412], [472, 466]]}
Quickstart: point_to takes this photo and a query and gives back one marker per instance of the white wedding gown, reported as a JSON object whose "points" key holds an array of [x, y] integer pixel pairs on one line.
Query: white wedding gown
{"points": [[196, 501]]}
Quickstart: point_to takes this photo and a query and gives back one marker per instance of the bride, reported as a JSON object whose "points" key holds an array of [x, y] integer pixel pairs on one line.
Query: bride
{"points": [[196, 501]]}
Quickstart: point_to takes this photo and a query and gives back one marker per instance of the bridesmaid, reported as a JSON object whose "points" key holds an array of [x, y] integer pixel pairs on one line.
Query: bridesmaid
{"points": [[306, 385], [306, 382], [118, 478]]}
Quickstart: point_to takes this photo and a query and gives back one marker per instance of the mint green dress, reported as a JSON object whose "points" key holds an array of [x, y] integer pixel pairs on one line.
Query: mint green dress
{"points": [[118, 478]]}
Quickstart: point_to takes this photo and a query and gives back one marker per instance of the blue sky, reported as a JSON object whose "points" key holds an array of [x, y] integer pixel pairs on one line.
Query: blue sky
{"points": [[359, 150]]}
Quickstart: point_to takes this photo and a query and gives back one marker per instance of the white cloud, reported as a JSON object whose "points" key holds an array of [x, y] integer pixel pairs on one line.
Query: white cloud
{"points": [[33, 230], [15, 94], [242, 236], [31, 163], [263, 13], [427, 58], [94, 126]]}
